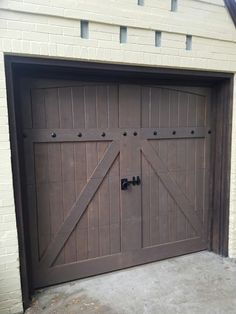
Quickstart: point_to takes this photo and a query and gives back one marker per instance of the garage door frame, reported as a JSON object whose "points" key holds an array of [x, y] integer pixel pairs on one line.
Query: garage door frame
{"points": [[222, 86]]}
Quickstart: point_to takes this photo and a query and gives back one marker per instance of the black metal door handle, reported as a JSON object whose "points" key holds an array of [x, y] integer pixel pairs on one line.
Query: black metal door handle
{"points": [[125, 182]]}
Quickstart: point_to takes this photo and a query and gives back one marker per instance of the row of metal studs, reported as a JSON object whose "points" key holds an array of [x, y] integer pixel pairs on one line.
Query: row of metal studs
{"points": [[125, 133]]}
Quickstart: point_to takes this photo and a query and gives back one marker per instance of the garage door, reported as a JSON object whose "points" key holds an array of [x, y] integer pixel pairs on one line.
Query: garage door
{"points": [[116, 175]]}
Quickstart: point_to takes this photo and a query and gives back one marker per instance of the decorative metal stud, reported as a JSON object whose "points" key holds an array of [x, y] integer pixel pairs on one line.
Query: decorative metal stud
{"points": [[53, 134], [209, 132], [125, 133], [103, 134], [80, 134], [174, 132], [192, 132], [155, 133], [135, 133]]}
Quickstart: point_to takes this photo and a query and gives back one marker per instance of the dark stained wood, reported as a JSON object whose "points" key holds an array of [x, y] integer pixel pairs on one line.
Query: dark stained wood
{"points": [[130, 202], [77, 213], [63, 272], [181, 199], [80, 204], [19, 193], [221, 180], [51, 68], [113, 262], [91, 135]]}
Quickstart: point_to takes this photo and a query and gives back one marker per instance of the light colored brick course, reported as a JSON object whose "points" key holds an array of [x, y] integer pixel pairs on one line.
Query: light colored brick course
{"points": [[52, 28]]}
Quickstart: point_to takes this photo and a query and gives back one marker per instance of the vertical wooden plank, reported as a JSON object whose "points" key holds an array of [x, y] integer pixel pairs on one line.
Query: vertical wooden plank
{"points": [[113, 106], [102, 106], [78, 105], [164, 117], [145, 106], [43, 205], [172, 164], [146, 219], [181, 160], [129, 106], [114, 175], [156, 108], [81, 230], [55, 192], [115, 208], [200, 177], [129, 117], [201, 185], [65, 107], [164, 111], [191, 159], [52, 108], [208, 173], [93, 210], [38, 109], [68, 184], [26, 110], [104, 210], [54, 166], [92, 161], [104, 205], [68, 166], [154, 207], [201, 111], [154, 122], [146, 103], [81, 179], [90, 107]]}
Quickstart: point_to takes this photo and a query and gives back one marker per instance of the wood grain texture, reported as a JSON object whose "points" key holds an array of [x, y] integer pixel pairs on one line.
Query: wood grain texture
{"points": [[157, 133]]}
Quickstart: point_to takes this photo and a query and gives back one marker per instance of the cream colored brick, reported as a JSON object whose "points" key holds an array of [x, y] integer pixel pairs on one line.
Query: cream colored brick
{"points": [[69, 31], [3, 111], [16, 45], [6, 47], [35, 48], [49, 29], [3, 23], [52, 50], [66, 40], [19, 25], [9, 33], [104, 12], [25, 46], [35, 36]]}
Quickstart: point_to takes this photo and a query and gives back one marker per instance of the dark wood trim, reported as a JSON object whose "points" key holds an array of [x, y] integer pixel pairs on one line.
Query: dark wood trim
{"points": [[84, 135], [113, 262], [222, 84], [231, 6], [16, 157], [222, 150], [66, 68]]}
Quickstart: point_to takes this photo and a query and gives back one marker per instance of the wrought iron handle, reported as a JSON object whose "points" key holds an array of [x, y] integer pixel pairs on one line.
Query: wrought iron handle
{"points": [[125, 182]]}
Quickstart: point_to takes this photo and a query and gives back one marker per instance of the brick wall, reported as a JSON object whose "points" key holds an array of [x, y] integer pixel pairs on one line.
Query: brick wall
{"points": [[52, 28]]}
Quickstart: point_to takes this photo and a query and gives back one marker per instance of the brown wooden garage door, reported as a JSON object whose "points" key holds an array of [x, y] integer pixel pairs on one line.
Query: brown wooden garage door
{"points": [[80, 140]]}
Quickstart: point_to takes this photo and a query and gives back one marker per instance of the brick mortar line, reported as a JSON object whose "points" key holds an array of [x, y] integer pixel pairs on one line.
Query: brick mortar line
{"points": [[213, 37]]}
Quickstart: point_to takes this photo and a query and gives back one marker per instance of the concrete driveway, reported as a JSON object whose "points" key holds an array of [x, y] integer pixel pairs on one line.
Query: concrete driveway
{"points": [[195, 283]]}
